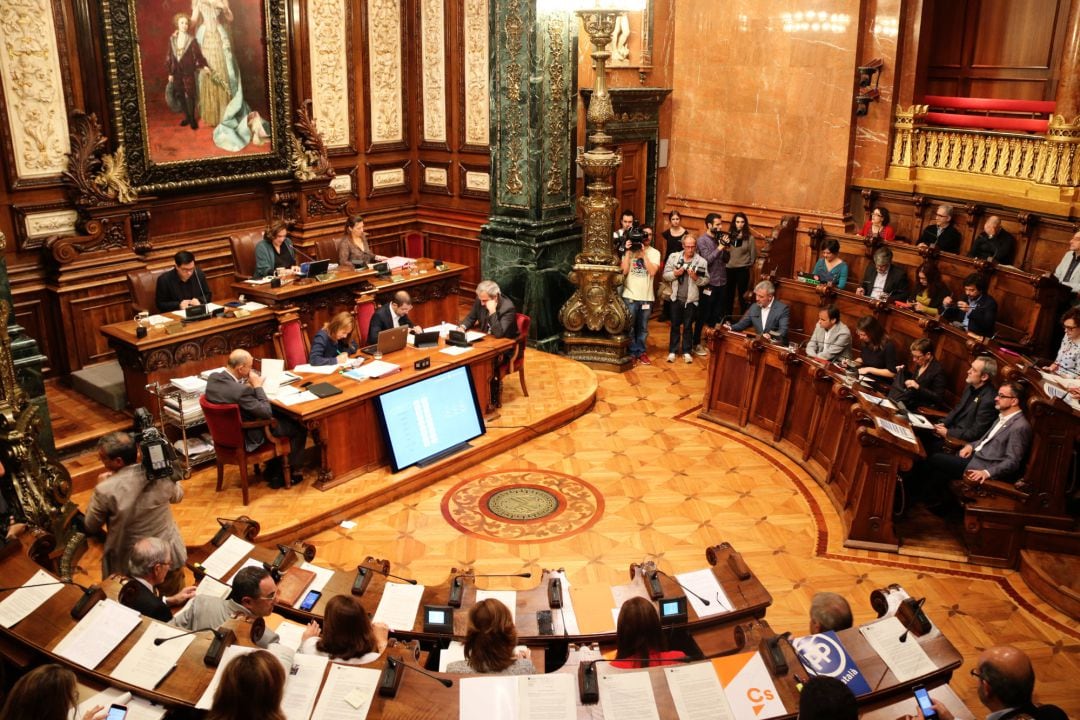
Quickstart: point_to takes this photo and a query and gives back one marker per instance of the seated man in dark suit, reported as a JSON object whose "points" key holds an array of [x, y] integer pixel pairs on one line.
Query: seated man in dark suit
{"points": [[183, 286], [768, 315], [993, 243], [978, 312], [1006, 684], [829, 611], [883, 280], [998, 455], [923, 385], [391, 315], [241, 385], [149, 564], [942, 233], [491, 312], [975, 412]]}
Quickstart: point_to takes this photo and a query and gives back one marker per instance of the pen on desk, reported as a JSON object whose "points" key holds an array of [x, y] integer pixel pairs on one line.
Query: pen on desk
{"points": [[164, 677]]}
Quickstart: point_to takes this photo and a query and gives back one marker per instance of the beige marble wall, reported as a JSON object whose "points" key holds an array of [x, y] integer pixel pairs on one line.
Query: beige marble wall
{"points": [[881, 26], [761, 114]]}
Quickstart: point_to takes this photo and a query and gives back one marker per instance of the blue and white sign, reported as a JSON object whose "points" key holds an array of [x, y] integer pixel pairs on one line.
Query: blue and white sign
{"points": [[824, 655]]}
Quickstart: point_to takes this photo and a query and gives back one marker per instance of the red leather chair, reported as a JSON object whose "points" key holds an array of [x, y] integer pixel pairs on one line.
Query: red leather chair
{"points": [[414, 245], [517, 361], [291, 340], [364, 311], [227, 431]]}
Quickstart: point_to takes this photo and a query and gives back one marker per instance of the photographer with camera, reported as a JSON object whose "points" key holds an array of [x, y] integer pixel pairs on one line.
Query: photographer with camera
{"points": [[687, 272], [134, 504], [640, 261]]}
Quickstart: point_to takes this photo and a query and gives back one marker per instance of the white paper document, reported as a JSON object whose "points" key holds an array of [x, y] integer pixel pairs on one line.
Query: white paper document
{"points": [[213, 588], [398, 605], [26, 600], [290, 634], [525, 697], [225, 558], [322, 576], [231, 652], [697, 692], [302, 683], [454, 350], [347, 693], [290, 399], [897, 430], [920, 421], [627, 696], [137, 707], [317, 369], [146, 664], [704, 583], [506, 597], [907, 660], [98, 633], [452, 653], [373, 369]]}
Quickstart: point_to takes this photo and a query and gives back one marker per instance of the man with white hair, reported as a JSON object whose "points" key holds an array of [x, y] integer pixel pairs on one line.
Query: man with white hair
{"points": [[768, 315], [942, 234], [492, 312], [148, 565]]}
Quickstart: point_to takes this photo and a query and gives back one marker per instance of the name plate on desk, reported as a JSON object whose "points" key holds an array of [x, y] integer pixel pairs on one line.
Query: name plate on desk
{"points": [[173, 328]]}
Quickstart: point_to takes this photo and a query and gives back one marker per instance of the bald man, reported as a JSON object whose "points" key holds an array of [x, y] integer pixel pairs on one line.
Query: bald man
{"points": [[994, 243], [241, 385], [1006, 681]]}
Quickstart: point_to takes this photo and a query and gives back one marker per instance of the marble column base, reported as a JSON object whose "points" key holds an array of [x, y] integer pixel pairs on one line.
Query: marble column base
{"points": [[28, 362]]}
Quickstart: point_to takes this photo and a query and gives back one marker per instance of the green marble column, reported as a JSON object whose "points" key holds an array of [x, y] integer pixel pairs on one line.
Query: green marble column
{"points": [[27, 359], [529, 242]]}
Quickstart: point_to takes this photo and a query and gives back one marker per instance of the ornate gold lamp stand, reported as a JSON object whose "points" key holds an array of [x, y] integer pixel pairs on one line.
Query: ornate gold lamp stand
{"points": [[595, 319]]}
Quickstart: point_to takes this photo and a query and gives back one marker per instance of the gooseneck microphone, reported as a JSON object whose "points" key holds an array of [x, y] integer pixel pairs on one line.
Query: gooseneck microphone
{"points": [[907, 628], [392, 673], [161, 641], [90, 597], [674, 580], [45, 584], [457, 587], [202, 290], [298, 251]]}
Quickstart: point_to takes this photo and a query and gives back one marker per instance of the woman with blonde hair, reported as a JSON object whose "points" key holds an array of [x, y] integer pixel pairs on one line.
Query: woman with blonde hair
{"points": [[251, 686], [491, 643], [333, 344], [348, 635]]}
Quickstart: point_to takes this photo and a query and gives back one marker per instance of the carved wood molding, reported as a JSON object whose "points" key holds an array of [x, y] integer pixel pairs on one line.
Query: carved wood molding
{"points": [[191, 350]]}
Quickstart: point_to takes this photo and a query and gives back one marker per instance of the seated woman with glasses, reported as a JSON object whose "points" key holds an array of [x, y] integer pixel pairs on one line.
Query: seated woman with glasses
{"points": [[1067, 362], [347, 636], [491, 643], [639, 638], [830, 268]]}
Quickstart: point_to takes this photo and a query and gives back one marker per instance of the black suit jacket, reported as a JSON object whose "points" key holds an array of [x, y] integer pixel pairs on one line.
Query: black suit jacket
{"points": [[973, 415], [223, 389], [982, 319], [503, 324], [896, 281], [948, 241], [382, 320], [931, 390], [144, 600], [170, 291], [1042, 712], [1000, 247]]}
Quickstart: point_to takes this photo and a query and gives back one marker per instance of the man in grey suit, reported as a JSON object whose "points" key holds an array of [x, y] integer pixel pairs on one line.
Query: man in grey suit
{"points": [[131, 508], [998, 455], [831, 339], [768, 315], [241, 385], [252, 596]]}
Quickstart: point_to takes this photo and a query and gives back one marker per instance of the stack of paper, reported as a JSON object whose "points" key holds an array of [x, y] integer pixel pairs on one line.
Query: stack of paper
{"points": [[98, 633], [146, 664], [907, 659], [347, 693], [897, 430], [22, 602], [226, 557], [191, 385], [197, 449], [546, 697], [373, 369]]}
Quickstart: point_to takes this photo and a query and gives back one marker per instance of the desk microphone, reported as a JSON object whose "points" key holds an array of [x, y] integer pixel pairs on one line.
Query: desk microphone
{"points": [[915, 611], [703, 600], [90, 597], [202, 290], [391, 677], [363, 578], [161, 641], [457, 587], [297, 250]]}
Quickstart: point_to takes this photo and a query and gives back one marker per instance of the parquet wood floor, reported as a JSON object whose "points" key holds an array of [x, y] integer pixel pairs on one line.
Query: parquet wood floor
{"points": [[673, 485]]}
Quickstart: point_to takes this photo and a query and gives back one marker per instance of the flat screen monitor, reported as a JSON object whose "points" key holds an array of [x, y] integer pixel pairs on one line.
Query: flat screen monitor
{"points": [[430, 419]]}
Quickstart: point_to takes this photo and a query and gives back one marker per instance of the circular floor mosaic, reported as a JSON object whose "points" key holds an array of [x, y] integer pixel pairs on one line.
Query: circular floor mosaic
{"points": [[522, 506]]}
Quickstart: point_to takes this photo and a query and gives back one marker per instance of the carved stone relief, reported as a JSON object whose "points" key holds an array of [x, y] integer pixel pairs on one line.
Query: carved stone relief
{"points": [[433, 43], [477, 90], [329, 72], [33, 88], [384, 70]]}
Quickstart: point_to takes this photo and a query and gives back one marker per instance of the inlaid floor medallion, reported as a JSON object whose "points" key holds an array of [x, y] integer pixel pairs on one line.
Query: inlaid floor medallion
{"points": [[522, 506]]}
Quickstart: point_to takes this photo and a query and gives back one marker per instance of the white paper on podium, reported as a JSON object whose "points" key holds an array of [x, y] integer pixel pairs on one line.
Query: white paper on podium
{"points": [[627, 696], [566, 612], [24, 601], [346, 681], [98, 633], [697, 692], [146, 663], [290, 634], [212, 587], [704, 583], [231, 652], [452, 653], [222, 560], [454, 350], [322, 577], [398, 605], [506, 597], [907, 660], [547, 697], [491, 698], [317, 369], [302, 683], [137, 707]]}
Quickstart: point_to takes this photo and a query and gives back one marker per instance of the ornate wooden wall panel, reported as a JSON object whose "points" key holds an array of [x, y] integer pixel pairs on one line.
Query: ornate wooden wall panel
{"points": [[330, 64]]}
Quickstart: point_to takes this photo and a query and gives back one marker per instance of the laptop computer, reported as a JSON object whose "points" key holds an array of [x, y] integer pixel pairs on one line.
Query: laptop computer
{"points": [[316, 268], [426, 339], [390, 341]]}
